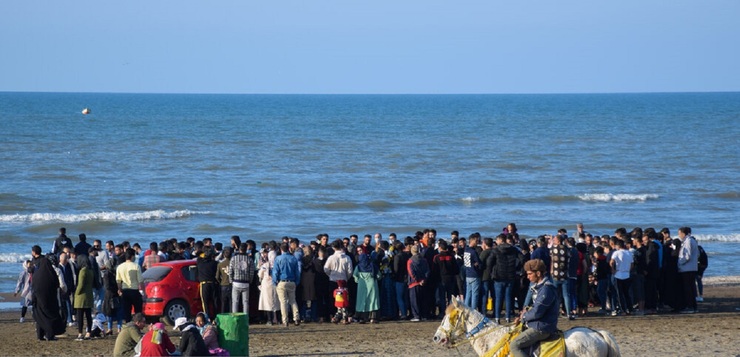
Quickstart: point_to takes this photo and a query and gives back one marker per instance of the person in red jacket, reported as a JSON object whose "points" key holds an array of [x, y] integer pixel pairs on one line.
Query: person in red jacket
{"points": [[341, 302], [156, 342]]}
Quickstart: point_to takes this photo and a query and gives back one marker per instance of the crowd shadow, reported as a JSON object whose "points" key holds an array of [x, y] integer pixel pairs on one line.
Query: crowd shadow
{"points": [[323, 354]]}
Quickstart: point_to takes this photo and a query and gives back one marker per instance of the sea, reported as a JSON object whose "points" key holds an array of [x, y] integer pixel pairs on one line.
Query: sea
{"points": [[147, 167]]}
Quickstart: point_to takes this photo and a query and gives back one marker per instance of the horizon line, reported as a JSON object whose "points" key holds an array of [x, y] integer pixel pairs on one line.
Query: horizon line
{"points": [[376, 93]]}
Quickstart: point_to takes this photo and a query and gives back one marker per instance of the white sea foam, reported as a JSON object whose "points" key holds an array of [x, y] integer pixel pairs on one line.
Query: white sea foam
{"points": [[96, 216], [721, 280], [734, 238], [470, 199], [14, 257], [608, 197]]}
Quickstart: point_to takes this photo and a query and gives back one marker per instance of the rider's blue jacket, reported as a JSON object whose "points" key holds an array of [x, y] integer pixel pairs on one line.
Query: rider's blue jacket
{"points": [[544, 313]]}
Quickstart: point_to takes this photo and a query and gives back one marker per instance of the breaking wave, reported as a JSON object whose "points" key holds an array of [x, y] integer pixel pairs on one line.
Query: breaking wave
{"points": [[14, 257], [588, 197], [734, 238], [608, 197], [97, 216]]}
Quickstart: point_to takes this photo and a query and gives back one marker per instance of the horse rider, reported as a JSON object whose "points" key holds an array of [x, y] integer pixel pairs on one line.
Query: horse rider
{"points": [[542, 319]]}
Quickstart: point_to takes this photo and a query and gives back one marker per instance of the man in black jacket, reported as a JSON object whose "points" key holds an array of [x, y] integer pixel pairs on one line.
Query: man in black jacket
{"points": [[207, 268], [191, 342], [486, 282], [652, 258], [400, 277], [83, 246], [61, 242], [639, 274], [445, 267], [507, 260], [429, 289]]}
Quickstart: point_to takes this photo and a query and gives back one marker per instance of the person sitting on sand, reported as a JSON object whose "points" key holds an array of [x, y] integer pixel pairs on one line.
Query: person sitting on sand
{"points": [[207, 330], [98, 325], [129, 336], [156, 342], [191, 342]]}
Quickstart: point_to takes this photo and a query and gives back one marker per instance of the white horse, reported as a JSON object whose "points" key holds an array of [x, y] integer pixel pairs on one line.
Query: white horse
{"points": [[461, 324]]}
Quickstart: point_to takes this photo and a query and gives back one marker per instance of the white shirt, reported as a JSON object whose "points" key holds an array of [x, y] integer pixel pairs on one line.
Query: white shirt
{"points": [[338, 266], [622, 259]]}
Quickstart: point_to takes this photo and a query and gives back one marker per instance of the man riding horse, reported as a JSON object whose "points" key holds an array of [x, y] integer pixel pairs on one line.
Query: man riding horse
{"points": [[542, 319]]}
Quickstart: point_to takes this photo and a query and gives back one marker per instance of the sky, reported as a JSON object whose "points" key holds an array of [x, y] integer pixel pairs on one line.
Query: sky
{"points": [[368, 47]]}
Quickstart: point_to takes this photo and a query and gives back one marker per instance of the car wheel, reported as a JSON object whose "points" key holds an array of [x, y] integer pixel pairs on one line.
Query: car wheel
{"points": [[175, 309]]}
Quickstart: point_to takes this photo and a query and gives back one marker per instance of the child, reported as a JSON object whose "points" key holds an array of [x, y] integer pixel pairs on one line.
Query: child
{"points": [[98, 326], [23, 287], [601, 275], [341, 302]]}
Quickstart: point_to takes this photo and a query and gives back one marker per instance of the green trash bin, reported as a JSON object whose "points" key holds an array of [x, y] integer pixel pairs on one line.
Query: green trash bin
{"points": [[233, 333]]}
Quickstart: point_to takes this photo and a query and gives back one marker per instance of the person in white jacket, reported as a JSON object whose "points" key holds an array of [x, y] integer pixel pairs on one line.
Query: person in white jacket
{"points": [[23, 288], [338, 266], [268, 300], [688, 265]]}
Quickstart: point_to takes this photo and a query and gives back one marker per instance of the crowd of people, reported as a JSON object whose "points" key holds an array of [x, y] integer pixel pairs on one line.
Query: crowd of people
{"points": [[368, 281]]}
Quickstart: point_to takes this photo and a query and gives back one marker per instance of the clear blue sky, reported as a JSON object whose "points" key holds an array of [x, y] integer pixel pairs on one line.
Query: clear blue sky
{"points": [[382, 46]]}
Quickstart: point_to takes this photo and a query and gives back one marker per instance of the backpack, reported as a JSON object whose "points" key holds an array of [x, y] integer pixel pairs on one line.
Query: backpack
{"points": [[703, 260]]}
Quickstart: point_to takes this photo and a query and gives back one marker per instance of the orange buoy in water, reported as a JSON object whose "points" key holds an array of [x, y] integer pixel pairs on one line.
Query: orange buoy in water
{"points": [[86, 111]]}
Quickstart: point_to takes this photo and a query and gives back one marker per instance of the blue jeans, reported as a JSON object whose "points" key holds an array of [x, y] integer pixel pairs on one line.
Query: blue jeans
{"points": [[472, 292], [526, 339], [118, 317], [486, 287], [700, 284], [612, 294], [572, 284], [402, 298], [67, 308], [440, 299], [601, 286], [562, 287], [310, 310], [504, 289], [98, 296]]}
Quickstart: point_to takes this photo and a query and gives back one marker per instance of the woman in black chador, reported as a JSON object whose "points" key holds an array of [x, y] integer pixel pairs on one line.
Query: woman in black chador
{"points": [[49, 322]]}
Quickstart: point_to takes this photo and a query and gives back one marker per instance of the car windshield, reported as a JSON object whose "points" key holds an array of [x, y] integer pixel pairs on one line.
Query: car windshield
{"points": [[155, 274]]}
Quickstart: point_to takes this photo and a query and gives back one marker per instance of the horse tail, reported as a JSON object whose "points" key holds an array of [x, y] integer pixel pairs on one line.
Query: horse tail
{"points": [[611, 342]]}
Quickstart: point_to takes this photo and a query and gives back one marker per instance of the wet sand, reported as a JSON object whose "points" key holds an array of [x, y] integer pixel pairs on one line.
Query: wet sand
{"points": [[714, 331]]}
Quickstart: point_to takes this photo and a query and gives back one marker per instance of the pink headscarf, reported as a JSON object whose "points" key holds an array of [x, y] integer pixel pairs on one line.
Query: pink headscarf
{"points": [[157, 331]]}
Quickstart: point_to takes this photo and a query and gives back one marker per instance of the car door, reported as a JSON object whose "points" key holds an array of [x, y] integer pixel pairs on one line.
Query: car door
{"points": [[191, 287]]}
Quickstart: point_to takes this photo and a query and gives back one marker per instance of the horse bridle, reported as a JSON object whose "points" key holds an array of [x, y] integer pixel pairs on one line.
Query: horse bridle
{"points": [[469, 335]]}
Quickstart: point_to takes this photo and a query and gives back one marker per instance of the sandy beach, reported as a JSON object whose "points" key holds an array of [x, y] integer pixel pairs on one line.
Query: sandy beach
{"points": [[712, 332]]}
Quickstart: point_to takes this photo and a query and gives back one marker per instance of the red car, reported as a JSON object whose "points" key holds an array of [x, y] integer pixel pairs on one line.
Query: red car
{"points": [[171, 290]]}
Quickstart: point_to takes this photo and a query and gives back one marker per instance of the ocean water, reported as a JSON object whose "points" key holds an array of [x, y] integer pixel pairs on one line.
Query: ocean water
{"points": [[145, 167]]}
